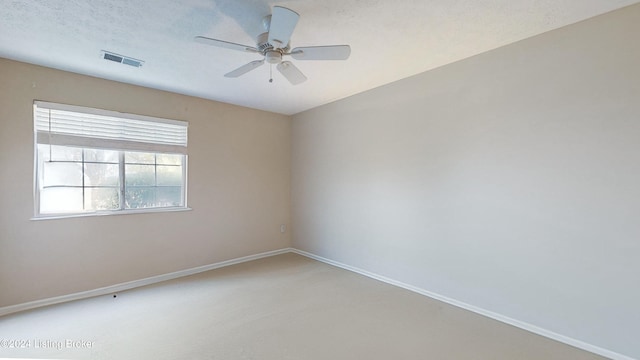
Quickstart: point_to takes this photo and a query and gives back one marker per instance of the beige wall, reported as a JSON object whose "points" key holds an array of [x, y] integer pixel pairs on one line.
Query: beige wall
{"points": [[509, 181], [239, 171]]}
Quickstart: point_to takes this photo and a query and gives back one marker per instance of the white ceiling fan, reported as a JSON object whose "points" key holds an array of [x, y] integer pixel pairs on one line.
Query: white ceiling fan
{"points": [[273, 44]]}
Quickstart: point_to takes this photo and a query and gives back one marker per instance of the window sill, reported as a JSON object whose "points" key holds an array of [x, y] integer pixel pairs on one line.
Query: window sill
{"points": [[110, 213]]}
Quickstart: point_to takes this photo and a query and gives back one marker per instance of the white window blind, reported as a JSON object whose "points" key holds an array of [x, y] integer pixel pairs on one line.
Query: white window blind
{"points": [[58, 124]]}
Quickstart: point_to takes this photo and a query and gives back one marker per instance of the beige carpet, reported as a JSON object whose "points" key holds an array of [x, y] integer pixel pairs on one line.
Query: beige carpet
{"points": [[283, 307]]}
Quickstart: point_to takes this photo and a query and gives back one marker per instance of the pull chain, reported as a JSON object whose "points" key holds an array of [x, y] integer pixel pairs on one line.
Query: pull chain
{"points": [[270, 73]]}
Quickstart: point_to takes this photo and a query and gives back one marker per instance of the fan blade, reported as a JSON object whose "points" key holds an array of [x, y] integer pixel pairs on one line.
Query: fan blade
{"points": [[283, 21], [289, 71], [335, 52], [244, 69], [225, 44]]}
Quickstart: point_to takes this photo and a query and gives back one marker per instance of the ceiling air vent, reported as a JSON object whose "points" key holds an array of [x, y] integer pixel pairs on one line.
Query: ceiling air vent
{"points": [[121, 59]]}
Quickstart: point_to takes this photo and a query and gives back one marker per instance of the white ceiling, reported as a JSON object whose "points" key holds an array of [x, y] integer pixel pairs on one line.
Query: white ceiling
{"points": [[390, 40]]}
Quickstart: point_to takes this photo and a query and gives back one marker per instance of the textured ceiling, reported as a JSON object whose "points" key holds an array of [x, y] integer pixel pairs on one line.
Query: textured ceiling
{"points": [[390, 40]]}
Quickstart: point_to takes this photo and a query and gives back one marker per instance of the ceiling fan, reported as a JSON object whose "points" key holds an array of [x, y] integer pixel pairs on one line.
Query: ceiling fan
{"points": [[273, 44]]}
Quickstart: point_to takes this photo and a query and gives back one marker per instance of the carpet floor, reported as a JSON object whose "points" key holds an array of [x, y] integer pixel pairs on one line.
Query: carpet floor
{"points": [[277, 308]]}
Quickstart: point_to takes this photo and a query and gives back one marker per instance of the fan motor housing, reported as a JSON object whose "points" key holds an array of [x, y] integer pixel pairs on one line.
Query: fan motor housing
{"points": [[264, 46], [271, 54]]}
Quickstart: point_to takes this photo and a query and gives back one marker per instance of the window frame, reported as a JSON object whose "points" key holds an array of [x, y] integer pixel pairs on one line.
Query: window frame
{"points": [[144, 146]]}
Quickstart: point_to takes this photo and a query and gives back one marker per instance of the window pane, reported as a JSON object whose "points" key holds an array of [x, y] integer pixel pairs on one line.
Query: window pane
{"points": [[101, 199], [65, 153], [169, 175], [140, 197], [60, 200], [101, 175], [62, 173], [58, 153], [79, 180], [169, 159], [139, 158], [169, 196], [99, 155], [140, 175], [43, 153]]}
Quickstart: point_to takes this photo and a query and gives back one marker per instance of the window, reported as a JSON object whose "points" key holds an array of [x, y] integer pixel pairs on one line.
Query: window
{"points": [[91, 161]]}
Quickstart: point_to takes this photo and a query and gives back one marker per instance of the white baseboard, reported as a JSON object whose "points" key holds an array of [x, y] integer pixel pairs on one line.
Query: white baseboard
{"points": [[174, 275], [134, 284], [490, 314]]}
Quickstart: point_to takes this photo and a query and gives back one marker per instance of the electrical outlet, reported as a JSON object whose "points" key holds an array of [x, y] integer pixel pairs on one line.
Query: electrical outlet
{"points": [[283, 228]]}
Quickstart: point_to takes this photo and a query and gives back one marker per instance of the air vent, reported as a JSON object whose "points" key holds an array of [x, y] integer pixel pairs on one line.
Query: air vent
{"points": [[121, 59]]}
